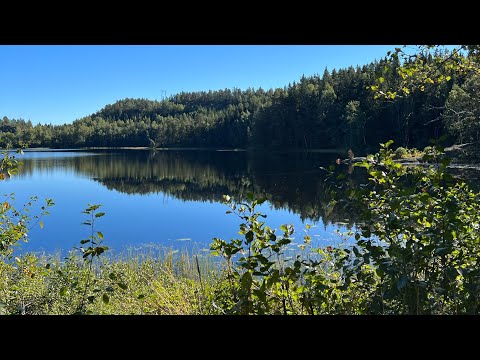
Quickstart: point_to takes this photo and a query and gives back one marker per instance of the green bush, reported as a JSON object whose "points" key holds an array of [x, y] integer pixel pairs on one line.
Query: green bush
{"points": [[261, 275], [420, 231], [416, 251], [401, 153]]}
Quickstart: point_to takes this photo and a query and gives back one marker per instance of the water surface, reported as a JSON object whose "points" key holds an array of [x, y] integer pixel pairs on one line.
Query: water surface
{"points": [[170, 198]]}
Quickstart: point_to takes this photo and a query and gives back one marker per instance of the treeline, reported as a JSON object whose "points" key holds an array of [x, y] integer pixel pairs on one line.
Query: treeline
{"points": [[201, 119], [334, 110]]}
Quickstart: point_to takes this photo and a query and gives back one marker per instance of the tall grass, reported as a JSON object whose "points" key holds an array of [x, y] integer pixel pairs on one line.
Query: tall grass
{"points": [[169, 284]]}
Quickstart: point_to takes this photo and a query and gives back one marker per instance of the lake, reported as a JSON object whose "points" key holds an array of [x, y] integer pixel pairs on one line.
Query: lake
{"points": [[170, 199]]}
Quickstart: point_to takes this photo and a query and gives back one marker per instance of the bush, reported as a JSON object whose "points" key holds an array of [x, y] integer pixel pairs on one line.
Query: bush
{"points": [[401, 153], [261, 275], [416, 251]]}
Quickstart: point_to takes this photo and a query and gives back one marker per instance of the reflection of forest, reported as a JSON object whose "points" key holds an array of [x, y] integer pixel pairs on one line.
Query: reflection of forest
{"points": [[291, 181]]}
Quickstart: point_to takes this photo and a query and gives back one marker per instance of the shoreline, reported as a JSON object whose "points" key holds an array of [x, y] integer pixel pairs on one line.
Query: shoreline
{"points": [[43, 149]]}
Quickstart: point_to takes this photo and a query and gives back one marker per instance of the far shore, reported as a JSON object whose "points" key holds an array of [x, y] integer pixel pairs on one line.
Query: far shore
{"points": [[38, 149]]}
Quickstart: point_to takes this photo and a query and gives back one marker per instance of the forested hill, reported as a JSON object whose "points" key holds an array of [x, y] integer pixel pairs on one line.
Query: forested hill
{"points": [[333, 110]]}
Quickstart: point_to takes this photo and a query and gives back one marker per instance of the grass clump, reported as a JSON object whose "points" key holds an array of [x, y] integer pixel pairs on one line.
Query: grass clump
{"points": [[36, 285]]}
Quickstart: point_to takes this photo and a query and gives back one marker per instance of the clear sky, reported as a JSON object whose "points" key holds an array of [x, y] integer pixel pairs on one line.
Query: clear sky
{"points": [[60, 83]]}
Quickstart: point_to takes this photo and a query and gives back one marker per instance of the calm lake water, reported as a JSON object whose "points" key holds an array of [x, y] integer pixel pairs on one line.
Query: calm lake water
{"points": [[169, 199]]}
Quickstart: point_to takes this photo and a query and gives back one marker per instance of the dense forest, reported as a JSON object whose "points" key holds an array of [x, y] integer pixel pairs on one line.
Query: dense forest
{"points": [[334, 110]]}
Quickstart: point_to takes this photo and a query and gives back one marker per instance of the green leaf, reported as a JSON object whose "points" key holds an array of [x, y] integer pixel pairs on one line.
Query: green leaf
{"points": [[246, 280], [100, 234], [123, 286], [140, 297], [355, 251], [84, 241], [381, 80], [261, 201], [41, 224], [388, 143], [250, 196], [100, 214], [112, 276], [63, 291], [105, 299]]}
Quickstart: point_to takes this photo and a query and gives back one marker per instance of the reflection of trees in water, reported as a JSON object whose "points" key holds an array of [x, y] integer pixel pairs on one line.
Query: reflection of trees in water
{"points": [[296, 182], [292, 181]]}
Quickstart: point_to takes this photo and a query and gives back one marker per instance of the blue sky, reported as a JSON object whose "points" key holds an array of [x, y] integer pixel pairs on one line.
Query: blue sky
{"points": [[60, 83]]}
